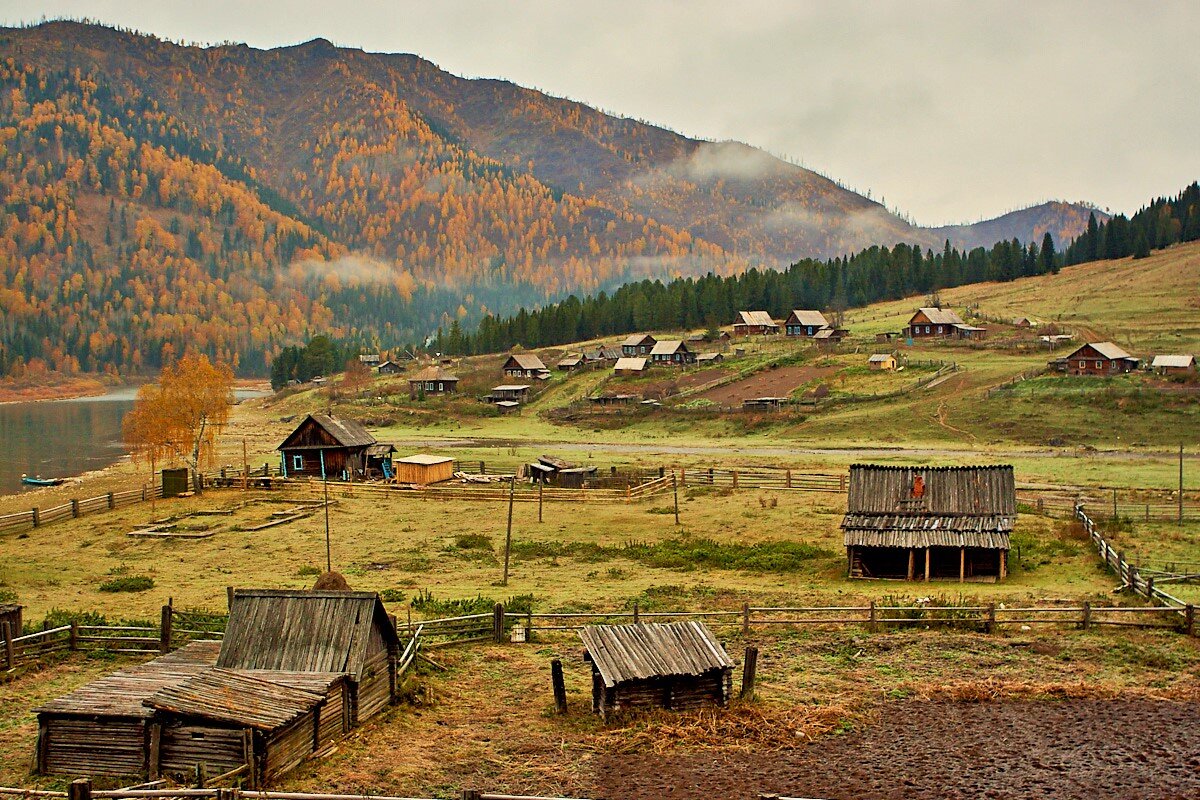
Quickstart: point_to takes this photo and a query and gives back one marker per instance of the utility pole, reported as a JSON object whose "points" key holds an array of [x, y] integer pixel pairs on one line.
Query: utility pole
{"points": [[1180, 498], [245, 467], [512, 487], [675, 487], [328, 547]]}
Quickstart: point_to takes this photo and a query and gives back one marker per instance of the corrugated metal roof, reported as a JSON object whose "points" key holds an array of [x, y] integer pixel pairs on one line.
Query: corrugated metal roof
{"points": [[881, 357], [630, 363], [941, 316], [434, 373], [241, 698], [756, 318], [667, 347], [1106, 349], [1173, 361], [510, 387], [637, 652], [814, 318], [525, 361], [306, 631]]}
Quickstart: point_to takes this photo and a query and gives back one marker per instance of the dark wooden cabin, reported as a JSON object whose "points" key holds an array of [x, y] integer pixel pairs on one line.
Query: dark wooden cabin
{"points": [[676, 665], [431, 382], [638, 344], [804, 323], [326, 446], [525, 365], [911, 523], [1100, 358], [754, 323], [307, 631], [673, 353]]}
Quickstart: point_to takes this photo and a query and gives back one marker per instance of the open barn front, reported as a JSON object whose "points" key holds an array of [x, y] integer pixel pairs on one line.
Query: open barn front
{"points": [[894, 563], [927, 563]]}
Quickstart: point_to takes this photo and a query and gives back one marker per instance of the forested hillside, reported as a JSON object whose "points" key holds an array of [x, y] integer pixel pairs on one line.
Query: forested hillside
{"points": [[158, 197]]}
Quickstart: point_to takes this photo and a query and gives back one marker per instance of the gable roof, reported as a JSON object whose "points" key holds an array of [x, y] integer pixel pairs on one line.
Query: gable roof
{"points": [[637, 652], [346, 432], [710, 357], [239, 697], [801, 317], [635, 339], [525, 361], [756, 318], [571, 360], [878, 357], [434, 373], [1105, 349], [940, 316], [306, 631], [630, 363], [1176, 361], [668, 347]]}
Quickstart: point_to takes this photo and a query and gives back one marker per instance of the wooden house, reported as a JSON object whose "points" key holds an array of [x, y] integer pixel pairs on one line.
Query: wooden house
{"points": [[630, 366], [389, 368], [709, 358], [1023, 322], [676, 665], [804, 323], [423, 470], [885, 362], [10, 620], [604, 354], [672, 353], [764, 403], [525, 365], [754, 323], [613, 399], [513, 392], [370, 359], [929, 522], [829, 338], [1100, 358], [639, 344], [432, 381], [326, 446], [941, 322], [1174, 364], [572, 362]]}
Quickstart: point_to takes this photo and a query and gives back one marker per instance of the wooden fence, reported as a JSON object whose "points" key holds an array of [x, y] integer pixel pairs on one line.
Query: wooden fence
{"points": [[494, 492], [1112, 503], [1131, 576], [763, 478], [36, 517]]}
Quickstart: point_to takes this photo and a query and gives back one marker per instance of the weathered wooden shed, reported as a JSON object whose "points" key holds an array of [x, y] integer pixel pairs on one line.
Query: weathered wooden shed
{"points": [[676, 665], [326, 446], [309, 631], [422, 469], [754, 323], [929, 522]]}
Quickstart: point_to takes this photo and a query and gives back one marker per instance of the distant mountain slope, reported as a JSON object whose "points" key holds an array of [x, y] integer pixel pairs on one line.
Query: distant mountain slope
{"points": [[157, 197], [1063, 221]]}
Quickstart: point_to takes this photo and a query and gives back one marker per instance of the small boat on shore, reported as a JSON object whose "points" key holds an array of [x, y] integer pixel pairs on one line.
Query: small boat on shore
{"points": [[40, 481]]}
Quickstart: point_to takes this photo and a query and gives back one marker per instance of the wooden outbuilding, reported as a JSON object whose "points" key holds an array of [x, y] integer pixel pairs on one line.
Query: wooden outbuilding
{"points": [[512, 392], [639, 344], [431, 382], [709, 358], [613, 399], [423, 470], [913, 523], [525, 365], [804, 323], [326, 446], [1100, 358], [389, 368], [630, 366], [604, 354], [754, 323], [882, 361], [1174, 364], [556, 472], [572, 362], [676, 665], [673, 353]]}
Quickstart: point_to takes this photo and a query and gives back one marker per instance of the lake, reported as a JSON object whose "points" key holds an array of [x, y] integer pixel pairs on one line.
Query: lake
{"points": [[64, 438]]}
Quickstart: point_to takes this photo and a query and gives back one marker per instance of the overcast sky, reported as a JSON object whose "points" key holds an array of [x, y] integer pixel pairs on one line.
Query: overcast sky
{"points": [[949, 112]]}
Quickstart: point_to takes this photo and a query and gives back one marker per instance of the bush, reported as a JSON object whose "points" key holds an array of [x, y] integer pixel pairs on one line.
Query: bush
{"points": [[127, 583], [426, 603], [393, 596], [308, 570]]}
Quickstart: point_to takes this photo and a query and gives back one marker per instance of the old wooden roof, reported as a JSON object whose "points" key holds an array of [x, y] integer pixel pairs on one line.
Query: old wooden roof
{"points": [[524, 361], [909, 530], [630, 363], [635, 339], [240, 698], [756, 318], [346, 432], [306, 631], [122, 693], [638, 652], [940, 316], [434, 373], [668, 347], [1173, 361], [802, 317]]}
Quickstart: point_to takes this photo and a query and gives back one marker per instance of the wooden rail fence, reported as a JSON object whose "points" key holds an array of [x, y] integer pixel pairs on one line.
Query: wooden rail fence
{"points": [[1130, 575], [36, 517]]}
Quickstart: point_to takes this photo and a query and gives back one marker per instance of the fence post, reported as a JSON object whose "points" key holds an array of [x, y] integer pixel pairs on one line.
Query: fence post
{"points": [[34, 516], [73, 639], [112, 501], [164, 640], [635, 613], [749, 671], [1189, 619], [788, 478], [990, 627], [7, 636], [871, 623], [498, 623], [1087, 615], [735, 479], [80, 789], [746, 619], [1150, 589], [472, 794], [560, 687], [74, 507]]}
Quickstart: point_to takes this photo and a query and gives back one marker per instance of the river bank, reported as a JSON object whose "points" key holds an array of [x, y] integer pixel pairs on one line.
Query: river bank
{"points": [[53, 388]]}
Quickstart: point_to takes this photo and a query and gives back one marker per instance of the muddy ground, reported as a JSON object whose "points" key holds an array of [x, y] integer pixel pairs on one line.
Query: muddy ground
{"points": [[1079, 750], [779, 382]]}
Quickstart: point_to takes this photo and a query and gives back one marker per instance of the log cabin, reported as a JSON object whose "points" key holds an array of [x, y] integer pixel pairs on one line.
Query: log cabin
{"points": [[924, 523], [639, 344], [1100, 358], [672, 353], [941, 322], [326, 446], [676, 665], [432, 382], [804, 323], [754, 323], [525, 365]]}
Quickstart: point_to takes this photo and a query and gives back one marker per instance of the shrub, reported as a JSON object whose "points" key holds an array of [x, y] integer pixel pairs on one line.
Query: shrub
{"points": [[426, 603], [473, 541], [127, 583], [393, 596], [308, 570]]}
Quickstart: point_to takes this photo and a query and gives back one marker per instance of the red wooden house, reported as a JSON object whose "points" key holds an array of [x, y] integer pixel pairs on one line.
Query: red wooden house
{"points": [[1100, 358]]}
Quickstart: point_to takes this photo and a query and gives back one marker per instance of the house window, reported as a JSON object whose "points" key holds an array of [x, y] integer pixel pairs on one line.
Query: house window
{"points": [[440, 386], [941, 329], [927, 329], [1083, 365], [1099, 365], [298, 462]]}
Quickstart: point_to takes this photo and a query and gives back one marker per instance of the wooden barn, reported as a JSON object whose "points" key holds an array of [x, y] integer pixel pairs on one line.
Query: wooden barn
{"points": [[709, 358], [422, 469], [639, 344], [676, 665], [804, 323], [673, 353], [572, 362], [514, 392], [913, 523], [525, 365], [1100, 358], [326, 446], [754, 323], [431, 382], [1174, 364]]}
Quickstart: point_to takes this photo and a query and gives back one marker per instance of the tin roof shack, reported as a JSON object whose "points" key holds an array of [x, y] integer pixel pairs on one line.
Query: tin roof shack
{"points": [[754, 323], [1100, 358], [672, 353], [882, 361], [1174, 364], [379, 460], [639, 344], [677, 665], [432, 381], [103, 727], [422, 470], [929, 522], [805, 323], [525, 365], [325, 446], [309, 631]]}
